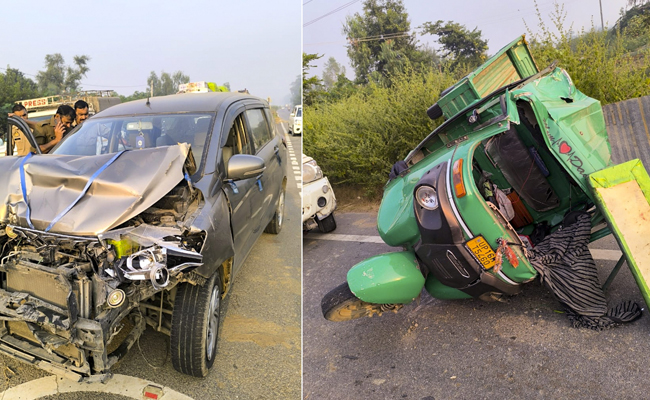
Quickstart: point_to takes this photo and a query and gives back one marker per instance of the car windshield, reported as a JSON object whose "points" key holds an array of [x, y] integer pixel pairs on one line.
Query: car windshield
{"points": [[299, 112], [110, 135]]}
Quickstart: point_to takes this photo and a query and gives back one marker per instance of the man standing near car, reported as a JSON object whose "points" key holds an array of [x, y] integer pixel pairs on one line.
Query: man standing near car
{"points": [[81, 110], [49, 133], [18, 139]]}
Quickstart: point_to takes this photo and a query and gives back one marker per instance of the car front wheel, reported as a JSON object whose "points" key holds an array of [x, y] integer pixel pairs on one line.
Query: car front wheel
{"points": [[195, 326]]}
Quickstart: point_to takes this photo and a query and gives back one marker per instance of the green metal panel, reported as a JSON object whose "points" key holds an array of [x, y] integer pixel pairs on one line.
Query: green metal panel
{"points": [[510, 64], [575, 129], [392, 278], [462, 95], [443, 292], [499, 73], [631, 224]]}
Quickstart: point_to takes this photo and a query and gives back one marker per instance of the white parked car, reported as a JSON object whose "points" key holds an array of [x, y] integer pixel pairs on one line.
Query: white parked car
{"points": [[295, 121], [318, 200]]}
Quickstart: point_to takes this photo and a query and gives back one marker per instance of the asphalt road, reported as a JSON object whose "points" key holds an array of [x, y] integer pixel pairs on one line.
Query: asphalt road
{"points": [[259, 348], [463, 349]]}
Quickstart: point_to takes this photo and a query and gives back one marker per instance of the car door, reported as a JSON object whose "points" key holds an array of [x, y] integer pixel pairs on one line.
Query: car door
{"points": [[266, 146], [18, 123], [239, 193]]}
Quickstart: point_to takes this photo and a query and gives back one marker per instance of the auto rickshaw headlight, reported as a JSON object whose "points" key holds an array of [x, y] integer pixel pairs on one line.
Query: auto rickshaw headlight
{"points": [[427, 197]]}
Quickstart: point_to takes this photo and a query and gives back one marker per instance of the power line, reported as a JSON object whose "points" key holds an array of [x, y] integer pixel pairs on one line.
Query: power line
{"points": [[307, 2], [329, 13]]}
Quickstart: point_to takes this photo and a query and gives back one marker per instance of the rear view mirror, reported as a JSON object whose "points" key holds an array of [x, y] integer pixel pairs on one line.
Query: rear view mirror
{"points": [[139, 125], [244, 166]]}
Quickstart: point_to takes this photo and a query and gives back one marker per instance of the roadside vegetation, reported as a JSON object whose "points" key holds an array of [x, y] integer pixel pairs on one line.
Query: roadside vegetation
{"points": [[356, 130], [57, 78]]}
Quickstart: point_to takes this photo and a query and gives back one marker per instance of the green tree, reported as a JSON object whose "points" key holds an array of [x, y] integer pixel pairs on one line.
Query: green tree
{"points": [[380, 39], [311, 86], [167, 83], [14, 86], [296, 90], [459, 44], [59, 78], [331, 71]]}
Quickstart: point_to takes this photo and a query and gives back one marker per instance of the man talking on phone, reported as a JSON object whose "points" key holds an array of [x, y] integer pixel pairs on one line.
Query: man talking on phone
{"points": [[49, 133]]}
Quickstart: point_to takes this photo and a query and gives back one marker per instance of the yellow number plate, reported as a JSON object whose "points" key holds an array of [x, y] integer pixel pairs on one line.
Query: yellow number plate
{"points": [[482, 251]]}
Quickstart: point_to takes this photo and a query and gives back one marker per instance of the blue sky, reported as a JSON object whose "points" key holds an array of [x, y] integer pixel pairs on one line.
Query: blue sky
{"points": [[500, 21], [253, 44]]}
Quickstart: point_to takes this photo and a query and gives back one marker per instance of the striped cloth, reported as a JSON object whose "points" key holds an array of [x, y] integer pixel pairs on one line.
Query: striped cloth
{"points": [[566, 267]]}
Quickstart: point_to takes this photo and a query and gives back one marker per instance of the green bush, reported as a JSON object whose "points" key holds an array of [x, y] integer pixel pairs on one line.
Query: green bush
{"points": [[599, 65], [357, 139]]}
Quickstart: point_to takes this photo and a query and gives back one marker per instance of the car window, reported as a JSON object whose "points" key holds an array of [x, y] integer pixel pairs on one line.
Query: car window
{"points": [[269, 118], [299, 112], [260, 131], [238, 141], [110, 135]]}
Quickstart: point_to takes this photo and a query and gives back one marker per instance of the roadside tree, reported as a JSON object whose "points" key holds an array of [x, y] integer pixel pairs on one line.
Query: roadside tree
{"points": [[59, 78]]}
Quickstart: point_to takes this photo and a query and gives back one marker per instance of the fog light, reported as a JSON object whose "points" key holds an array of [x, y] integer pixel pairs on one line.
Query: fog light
{"points": [[321, 202], [325, 188], [116, 298]]}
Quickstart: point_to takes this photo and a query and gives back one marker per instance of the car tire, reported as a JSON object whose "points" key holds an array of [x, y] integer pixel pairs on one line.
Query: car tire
{"points": [[195, 326], [340, 304], [275, 226], [327, 224]]}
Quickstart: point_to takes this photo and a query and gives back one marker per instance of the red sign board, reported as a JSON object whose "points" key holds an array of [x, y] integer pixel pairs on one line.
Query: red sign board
{"points": [[35, 102]]}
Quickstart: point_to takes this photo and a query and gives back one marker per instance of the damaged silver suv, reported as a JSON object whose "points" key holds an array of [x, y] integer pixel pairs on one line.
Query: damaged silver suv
{"points": [[141, 215]]}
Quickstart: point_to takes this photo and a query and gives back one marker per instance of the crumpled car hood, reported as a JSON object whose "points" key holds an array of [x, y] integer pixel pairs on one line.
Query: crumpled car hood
{"points": [[127, 187]]}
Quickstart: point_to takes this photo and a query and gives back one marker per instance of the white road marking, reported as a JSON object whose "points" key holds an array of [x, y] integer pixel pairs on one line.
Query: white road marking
{"points": [[597, 254], [123, 385]]}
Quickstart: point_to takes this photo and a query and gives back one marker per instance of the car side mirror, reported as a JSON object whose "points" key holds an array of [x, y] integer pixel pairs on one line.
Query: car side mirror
{"points": [[292, 115], [244, 166]]}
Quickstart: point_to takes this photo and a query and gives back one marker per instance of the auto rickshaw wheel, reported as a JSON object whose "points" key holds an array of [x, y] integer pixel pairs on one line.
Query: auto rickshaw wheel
{"points": [[340, 304]]}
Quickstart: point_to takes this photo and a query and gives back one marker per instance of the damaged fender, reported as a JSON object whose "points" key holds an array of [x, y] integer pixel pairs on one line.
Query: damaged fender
{"points": [[391, 278]]}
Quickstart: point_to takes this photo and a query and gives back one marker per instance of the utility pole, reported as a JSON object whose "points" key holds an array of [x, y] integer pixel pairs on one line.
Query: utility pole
{"points": [[601, 14], [152, 88]]}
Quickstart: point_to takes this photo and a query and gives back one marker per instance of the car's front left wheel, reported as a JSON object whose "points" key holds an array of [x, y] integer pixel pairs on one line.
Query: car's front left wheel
{"points": [[195, 326]]}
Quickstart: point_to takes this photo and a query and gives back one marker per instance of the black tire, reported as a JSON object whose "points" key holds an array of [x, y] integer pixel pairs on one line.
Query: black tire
{"points": [[434, 112], [275, 226], [340, 304], [195, 326], [327, 224]]}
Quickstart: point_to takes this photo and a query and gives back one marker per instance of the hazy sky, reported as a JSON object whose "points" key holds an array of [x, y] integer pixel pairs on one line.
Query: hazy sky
{"points": [[253, 44], [500, 21]]}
